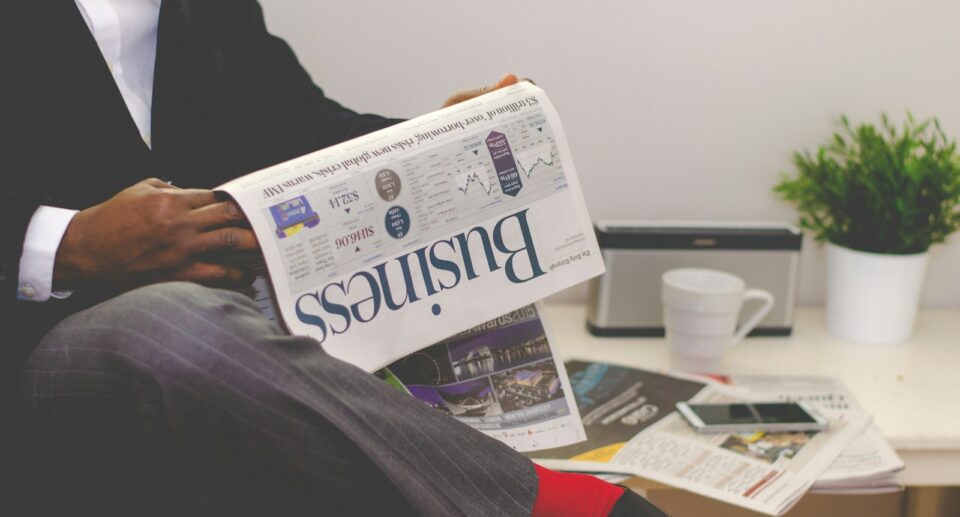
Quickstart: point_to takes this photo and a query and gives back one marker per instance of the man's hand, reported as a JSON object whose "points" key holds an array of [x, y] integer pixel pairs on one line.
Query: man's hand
{"points": [[465, 95], [153, 232]]}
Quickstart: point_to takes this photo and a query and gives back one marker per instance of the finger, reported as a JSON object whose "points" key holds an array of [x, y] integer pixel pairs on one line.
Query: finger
{"points": [[157, 183], [211, 274], [224, 239], [507, 80], [464, 95], [461, 96], [196, 197], [219, 215]]}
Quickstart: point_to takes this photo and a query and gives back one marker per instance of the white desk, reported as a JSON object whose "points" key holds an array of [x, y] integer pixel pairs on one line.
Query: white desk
{"points": [[912, 390]]}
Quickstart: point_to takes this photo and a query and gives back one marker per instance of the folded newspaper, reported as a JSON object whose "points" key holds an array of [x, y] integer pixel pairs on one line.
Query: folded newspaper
{"points": [[632, 428], [450, 224]]}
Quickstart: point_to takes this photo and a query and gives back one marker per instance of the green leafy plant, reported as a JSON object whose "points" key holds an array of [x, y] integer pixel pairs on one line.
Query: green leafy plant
{"points": [[878, 190]]}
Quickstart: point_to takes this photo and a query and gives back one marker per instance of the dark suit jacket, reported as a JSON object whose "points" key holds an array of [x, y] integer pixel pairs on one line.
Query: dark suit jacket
{"points": [[228, 99]]}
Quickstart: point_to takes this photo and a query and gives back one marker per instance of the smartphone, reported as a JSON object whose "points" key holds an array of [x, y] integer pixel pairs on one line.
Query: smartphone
{"points": [[754, 416]]}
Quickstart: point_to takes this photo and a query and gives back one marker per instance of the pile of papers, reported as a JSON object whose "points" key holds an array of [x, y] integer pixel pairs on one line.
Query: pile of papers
{"points": [[867, 465], [632, 428]]}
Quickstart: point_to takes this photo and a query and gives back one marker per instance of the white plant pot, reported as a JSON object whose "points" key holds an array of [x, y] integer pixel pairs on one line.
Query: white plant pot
{"points": [[873, 297]]}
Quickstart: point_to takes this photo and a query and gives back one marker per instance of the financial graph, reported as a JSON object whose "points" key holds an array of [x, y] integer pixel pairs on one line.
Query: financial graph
{"points": [[539, 157], [458, 182], [475, 180]]}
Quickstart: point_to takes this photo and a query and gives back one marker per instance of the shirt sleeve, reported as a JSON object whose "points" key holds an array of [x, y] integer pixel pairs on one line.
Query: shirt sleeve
{"points": [[44, 233]]}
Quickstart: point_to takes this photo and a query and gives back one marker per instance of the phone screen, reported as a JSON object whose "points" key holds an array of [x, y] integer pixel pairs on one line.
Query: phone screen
{"points": [[772, 413]]}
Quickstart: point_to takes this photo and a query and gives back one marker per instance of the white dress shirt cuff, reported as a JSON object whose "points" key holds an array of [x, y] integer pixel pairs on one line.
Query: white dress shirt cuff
{"points": [[44, 234]]}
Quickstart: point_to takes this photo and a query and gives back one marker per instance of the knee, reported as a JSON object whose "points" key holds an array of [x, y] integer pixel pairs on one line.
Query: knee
{"points": [[152, 324], [168, 296], [174, 307]]}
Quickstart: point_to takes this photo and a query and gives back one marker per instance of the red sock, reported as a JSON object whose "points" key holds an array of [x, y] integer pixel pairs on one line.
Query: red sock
{"points": [[560, 494]]}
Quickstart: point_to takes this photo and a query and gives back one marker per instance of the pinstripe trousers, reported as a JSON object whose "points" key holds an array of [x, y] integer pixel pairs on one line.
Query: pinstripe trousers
{"points": [[181, 399]]}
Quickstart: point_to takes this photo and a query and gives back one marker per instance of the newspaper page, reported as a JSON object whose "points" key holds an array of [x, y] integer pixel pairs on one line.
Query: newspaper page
{"points": [[500, 377], [867, 465], [764, 472], [382, 245]]}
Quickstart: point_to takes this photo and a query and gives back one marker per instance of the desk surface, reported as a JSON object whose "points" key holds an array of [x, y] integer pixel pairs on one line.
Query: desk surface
{"points": [[912, 390]]}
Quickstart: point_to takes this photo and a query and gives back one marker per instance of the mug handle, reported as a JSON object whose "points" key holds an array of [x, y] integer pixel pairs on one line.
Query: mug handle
{"points": [[753, 294]]}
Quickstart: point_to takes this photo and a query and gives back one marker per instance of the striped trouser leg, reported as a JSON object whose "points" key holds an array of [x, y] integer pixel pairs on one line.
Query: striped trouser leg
{"points": [[173, 382]]}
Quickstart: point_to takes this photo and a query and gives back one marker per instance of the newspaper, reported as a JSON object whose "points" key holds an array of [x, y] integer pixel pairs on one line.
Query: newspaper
{"points": [[393, 241], [632, 428], [501, 378], [868, 465]]}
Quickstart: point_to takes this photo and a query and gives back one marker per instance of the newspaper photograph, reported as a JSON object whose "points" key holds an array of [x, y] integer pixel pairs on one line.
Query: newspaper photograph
{"points": [[382, 245], [501, 378], [762, 471]]}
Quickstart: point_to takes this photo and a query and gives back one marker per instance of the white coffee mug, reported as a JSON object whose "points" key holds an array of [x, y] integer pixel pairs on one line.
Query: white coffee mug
{"points": [[700, 312]]}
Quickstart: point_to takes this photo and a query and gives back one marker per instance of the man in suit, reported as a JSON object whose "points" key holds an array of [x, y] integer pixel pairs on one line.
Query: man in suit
{"points": [[130, 381]]}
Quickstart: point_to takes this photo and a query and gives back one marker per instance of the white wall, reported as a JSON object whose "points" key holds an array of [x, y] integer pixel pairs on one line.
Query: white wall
{"points": [[675, 109]]}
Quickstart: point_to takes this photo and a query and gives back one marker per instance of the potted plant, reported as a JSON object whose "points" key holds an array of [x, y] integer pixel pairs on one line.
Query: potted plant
{"points": [[879, 197]]}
